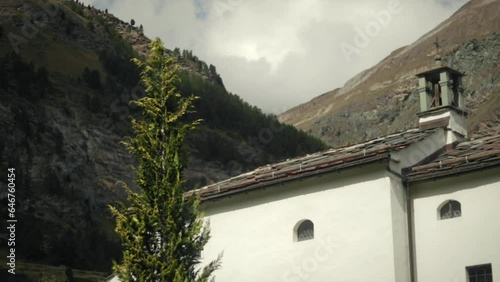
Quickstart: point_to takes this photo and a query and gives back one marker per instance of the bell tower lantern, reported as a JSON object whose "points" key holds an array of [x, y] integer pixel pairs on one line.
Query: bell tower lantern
{"points": [[442, 100], [440, 86]]}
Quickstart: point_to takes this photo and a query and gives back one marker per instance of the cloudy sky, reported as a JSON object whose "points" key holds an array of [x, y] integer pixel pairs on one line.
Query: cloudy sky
{"points": [[277, 54]]}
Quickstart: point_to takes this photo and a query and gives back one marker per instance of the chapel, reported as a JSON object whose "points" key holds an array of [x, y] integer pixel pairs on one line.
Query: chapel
{"points": [[419, 205]]}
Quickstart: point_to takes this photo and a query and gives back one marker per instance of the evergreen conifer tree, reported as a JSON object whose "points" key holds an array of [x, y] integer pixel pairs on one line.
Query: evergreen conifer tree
{"points": [[162, 231]]}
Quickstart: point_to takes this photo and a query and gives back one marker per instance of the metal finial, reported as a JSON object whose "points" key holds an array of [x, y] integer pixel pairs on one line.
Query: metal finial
{"points": [[437, 59], [436, 43]]}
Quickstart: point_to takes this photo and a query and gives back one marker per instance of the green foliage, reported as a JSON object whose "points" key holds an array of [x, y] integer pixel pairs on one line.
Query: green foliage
{"points": [[123, 69], [42, 75], [27, 82], [42, 79], [75, 7], [4, 82], [121, 46], [132, 22], [92, 78], [187, 54], [85, 248], [263, 137], [82, 246], [162, 232], [91, 26], [69, 274], [48, 278]]}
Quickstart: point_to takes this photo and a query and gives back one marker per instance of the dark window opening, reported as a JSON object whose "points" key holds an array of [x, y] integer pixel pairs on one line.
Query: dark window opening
{"points": [[305, 231], [480, 273], [437, 96], [451, 209], [454, 88]]}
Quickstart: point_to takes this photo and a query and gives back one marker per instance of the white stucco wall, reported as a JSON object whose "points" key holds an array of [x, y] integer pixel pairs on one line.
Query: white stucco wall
{"points": [[457, 122], [444, 248], [399, 229], [352, 212]]}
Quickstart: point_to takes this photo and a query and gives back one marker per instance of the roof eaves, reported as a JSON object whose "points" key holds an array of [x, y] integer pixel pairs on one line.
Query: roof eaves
{"points": [[218, 191], [313, 164], [467, 156], [447, 172]]}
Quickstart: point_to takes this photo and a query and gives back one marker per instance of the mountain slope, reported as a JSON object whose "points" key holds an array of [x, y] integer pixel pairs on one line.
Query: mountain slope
{"points": [[66, 82], [383, 99]]}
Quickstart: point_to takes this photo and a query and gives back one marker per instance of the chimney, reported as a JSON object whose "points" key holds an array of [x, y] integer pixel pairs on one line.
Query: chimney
{"points": [[442, 100]]}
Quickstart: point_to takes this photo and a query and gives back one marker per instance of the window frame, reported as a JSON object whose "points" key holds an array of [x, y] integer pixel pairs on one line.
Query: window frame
{"points": [[487, 269], [452, 213], [296, 230]]}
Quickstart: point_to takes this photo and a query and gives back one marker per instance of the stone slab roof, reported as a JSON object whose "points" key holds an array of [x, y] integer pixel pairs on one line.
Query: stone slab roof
{"points": [[313, 164], [466, 156]]}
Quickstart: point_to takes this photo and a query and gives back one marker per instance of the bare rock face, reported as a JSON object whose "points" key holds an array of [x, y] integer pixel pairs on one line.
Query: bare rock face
{"points": [[480, 61], [383, 99]]}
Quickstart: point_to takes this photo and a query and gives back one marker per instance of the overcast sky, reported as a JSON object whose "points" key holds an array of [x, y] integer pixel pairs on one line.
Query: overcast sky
{"points": [[277, 54]]}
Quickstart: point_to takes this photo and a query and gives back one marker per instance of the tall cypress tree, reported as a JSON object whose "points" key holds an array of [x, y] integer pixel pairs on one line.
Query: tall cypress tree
{"points": [[162, 232]]}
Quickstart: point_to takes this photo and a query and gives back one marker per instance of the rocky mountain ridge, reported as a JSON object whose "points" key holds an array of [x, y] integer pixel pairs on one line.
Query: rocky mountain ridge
{"points": [[383, 99]]}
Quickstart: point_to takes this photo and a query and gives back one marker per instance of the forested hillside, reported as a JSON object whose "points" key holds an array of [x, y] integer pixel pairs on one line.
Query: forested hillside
{"points": [[65, 93]]}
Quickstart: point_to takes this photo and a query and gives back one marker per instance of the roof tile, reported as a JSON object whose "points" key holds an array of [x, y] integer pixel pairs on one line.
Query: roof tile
{"points": [[312, 164]]}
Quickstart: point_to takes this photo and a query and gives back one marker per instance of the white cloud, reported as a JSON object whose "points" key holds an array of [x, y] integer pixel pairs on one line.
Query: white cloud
{"points": [[276, 54]]}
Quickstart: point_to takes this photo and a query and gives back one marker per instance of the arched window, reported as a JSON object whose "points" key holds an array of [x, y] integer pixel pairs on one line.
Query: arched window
{"points": [[304, 230], [450, 209]]}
